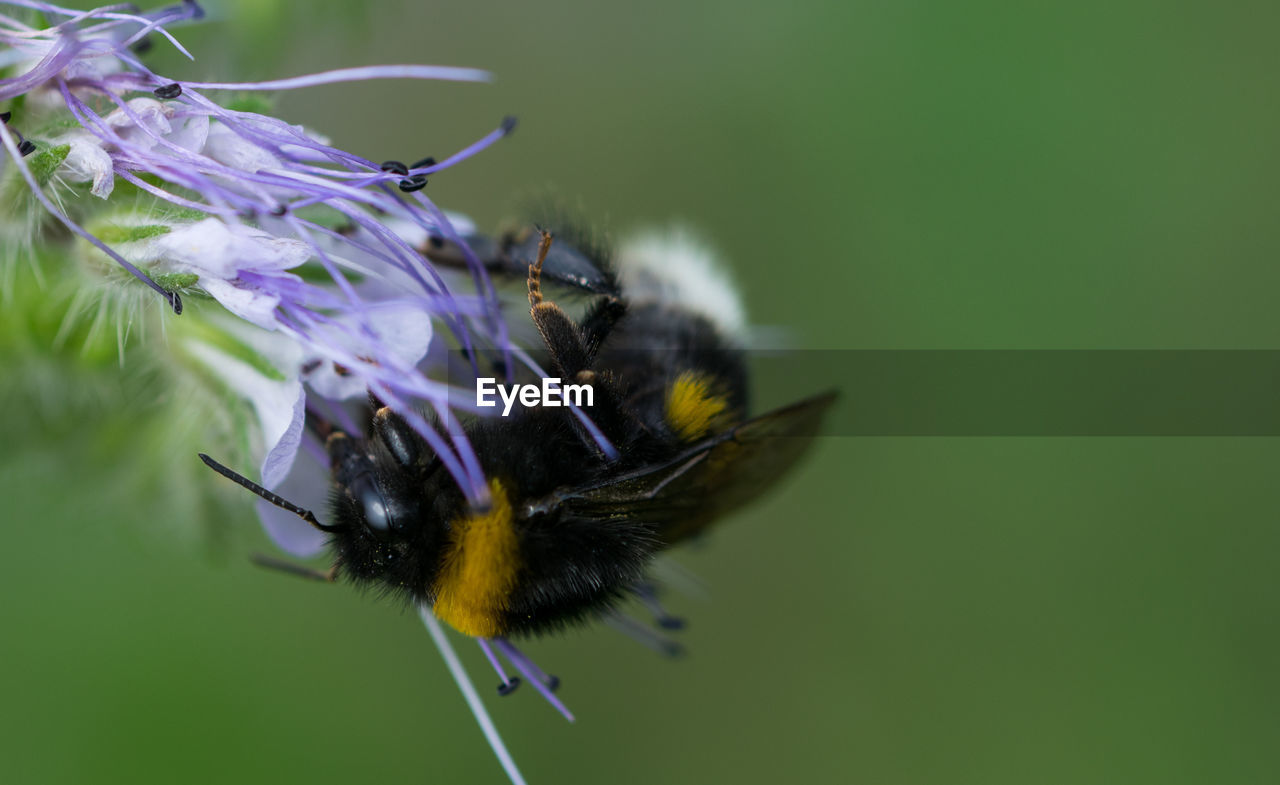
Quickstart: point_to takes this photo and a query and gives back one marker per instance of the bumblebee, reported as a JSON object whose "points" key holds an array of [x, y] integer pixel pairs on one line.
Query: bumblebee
{"points": [[570, 531]]}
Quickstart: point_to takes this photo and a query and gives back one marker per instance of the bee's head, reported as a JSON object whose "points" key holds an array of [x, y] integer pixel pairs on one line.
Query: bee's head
{"points": [[389, 504]]}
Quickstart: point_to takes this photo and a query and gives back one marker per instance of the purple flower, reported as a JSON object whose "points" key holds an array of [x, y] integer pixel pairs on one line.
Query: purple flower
{"points": [[245, 188], [188, 195]]}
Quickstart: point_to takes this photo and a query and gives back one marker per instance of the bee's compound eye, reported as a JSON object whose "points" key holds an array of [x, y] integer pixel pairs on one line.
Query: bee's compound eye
{"points": [[375, 511], [377, 515]]}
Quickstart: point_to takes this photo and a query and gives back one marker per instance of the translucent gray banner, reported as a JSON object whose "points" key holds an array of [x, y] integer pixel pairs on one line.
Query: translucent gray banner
{"points": [[1038, 393], [1008, 393]]}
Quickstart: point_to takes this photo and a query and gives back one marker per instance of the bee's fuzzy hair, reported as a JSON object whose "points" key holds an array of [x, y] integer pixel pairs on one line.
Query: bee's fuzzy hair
{"points": [[676, 268]]}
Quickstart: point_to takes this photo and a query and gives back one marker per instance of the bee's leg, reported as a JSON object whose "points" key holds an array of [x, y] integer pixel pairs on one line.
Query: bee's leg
{"points": [[561, 334], [573, 349], [572, 345], [643, 635], [270, 562]]}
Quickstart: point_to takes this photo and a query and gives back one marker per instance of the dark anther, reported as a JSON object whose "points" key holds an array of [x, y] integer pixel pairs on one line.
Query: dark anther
{"points": [[194, 9], [143, 46], [411, 184], [176, 302], [671, 622], [27, 147], [171, 90], [5, 116], [247, 213], [310, 365], [553, 682], [435, 242], [279, 210], [395, 167], [508, 124], [506, 689], [428, 161]]}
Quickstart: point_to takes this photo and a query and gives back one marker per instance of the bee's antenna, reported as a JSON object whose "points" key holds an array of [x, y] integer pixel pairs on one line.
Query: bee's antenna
{"points": [[279, 501]]}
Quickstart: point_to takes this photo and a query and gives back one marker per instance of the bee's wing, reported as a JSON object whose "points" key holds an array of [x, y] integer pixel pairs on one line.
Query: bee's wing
{"points": [[511, 255], [682, 496]]}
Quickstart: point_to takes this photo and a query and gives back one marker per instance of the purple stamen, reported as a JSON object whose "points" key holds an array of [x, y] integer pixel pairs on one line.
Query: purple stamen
{"points": [[541, 681], [486, 141], [507, 686]]}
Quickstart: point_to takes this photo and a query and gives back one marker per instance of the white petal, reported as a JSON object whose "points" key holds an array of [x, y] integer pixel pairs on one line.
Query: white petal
{"points": [[205, 246], [152, 114], [87, 160], [402, 329], [280, 407], [190, 131], [91, 69], [285, 436], [227, 147], [249, 303], [220, 250]]}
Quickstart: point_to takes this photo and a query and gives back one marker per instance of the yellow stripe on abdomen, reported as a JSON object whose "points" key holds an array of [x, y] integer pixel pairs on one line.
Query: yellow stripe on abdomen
{"points": [[480, 569], [692, 408]]}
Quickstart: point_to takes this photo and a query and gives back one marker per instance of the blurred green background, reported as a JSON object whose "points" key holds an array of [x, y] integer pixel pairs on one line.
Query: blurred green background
{"points": [[881, 175]]}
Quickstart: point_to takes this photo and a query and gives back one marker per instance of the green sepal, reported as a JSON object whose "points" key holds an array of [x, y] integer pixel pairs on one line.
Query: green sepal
{"points": [[46, 161], [114, 234], [175, 282]]}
